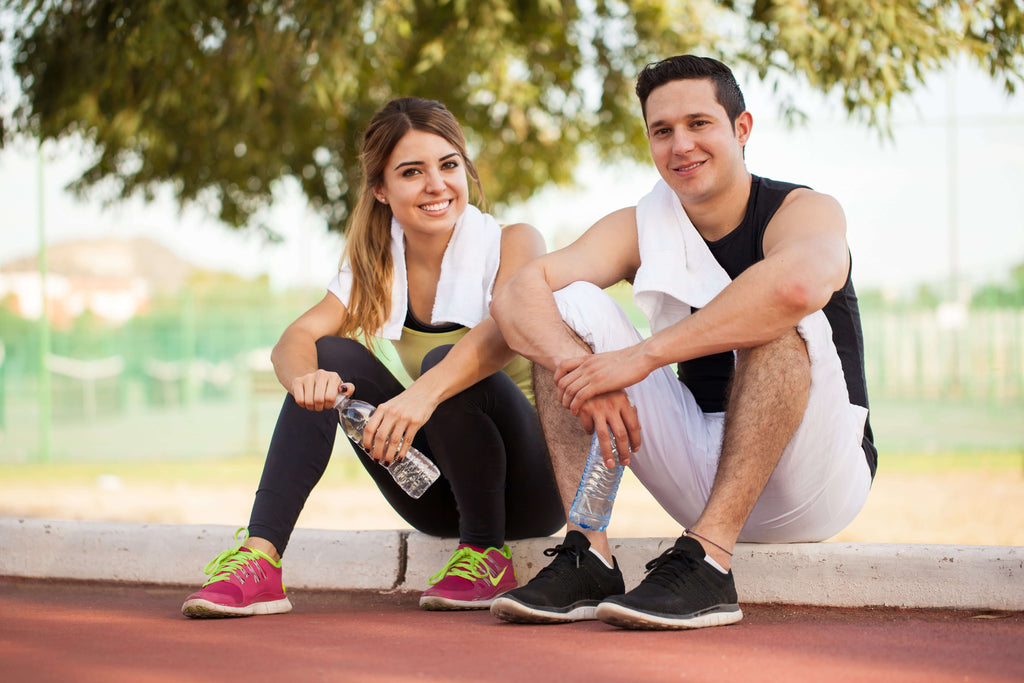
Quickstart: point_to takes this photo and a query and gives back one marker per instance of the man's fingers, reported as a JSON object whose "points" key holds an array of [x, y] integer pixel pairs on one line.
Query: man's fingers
{"points": [[631, 419], [565, 367], [605, 440], [621, 442], [581, 397]]}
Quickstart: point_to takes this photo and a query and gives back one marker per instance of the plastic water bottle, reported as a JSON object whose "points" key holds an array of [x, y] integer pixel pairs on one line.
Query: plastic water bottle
{"points": [[414, 473], [592, 506]]}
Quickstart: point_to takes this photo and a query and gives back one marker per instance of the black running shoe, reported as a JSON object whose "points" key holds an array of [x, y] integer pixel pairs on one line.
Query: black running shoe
{"points": [[681, 590], [568, 589]]}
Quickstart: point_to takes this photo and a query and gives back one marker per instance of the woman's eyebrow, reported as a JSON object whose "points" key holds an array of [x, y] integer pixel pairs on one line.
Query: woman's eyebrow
{"points": [[420, 163]]}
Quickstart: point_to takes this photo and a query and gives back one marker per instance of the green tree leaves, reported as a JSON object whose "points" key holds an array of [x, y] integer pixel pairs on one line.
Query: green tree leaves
{"points": [[224, 98]]}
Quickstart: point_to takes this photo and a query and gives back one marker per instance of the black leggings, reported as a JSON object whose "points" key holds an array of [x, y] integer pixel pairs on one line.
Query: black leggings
{"points": [[496, 481]]}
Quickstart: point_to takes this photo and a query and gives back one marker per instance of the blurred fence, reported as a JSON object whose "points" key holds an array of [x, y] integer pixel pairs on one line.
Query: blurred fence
{"points": [[970, 355], [206, 389]]}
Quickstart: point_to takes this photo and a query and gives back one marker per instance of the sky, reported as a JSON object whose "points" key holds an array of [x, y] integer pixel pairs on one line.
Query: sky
{"points": [[905, 226]]}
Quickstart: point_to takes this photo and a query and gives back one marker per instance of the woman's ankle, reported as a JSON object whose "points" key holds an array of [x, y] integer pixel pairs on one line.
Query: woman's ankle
{"points": [[264, 546]]}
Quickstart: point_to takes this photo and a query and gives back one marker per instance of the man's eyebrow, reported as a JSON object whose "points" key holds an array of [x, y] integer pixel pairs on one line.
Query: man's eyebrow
{"points": [[420, 163], [686, 117]]}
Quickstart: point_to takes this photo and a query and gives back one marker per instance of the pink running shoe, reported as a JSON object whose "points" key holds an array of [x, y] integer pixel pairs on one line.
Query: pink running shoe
{"points": [[472, 579], [242, 583]]}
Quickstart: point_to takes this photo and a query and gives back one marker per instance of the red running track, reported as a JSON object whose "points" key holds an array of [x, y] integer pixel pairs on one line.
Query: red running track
{"points": [[85, 632]]}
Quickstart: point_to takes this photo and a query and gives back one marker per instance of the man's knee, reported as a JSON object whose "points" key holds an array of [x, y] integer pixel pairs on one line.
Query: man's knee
{"points": [[775, 373], [596, 319], [787, 350]]}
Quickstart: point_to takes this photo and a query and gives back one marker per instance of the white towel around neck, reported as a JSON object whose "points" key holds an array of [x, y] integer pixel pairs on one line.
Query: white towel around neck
{"points": [[677, 269], [468, 269]]}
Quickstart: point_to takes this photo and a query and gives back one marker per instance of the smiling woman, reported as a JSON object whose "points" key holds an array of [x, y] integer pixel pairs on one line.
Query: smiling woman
{"points": [[419, 269]]}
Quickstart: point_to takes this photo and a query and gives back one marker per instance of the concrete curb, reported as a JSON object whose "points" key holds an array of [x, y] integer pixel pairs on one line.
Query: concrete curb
{"points": [[831, 574]]}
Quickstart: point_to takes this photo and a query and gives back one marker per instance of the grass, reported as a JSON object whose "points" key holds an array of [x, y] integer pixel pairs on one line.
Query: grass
{"points": [[340, 471], [348, 471], [226, 440], [996, 461]]}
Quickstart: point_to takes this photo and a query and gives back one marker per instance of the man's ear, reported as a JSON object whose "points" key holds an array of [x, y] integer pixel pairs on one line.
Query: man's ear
{"points": [[744, 124]]}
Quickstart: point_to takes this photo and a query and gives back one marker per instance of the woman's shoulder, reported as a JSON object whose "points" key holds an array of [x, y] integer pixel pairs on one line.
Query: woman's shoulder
{"points": [[517, 231], [522, 240], [520, 234]]}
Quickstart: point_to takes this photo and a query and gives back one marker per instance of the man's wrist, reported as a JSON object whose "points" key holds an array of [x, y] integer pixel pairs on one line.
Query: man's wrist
{"points": [[651, 355]]}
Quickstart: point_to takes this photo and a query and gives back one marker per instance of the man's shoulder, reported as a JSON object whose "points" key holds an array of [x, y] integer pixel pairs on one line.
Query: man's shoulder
{"points": [[772, 185], [616, 225], [778, 195]]}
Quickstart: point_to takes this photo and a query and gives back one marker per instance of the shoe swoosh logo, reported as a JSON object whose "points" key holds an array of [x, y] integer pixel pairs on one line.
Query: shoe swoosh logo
{"points": [[496, 579]]}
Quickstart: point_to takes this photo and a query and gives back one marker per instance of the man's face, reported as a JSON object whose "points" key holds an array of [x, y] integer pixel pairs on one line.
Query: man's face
{"points": [[693, 144]]}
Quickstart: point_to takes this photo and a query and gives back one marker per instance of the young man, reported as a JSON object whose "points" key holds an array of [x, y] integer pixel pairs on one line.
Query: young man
{"points": [[763, 436]]}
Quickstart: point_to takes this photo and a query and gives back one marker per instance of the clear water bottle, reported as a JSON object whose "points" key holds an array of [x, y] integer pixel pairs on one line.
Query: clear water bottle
{"points": [[592, 506], [414, 473]]}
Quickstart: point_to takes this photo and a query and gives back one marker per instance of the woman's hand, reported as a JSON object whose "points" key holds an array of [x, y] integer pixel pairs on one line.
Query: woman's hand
{"points": [[319, 390], [390, 430]]}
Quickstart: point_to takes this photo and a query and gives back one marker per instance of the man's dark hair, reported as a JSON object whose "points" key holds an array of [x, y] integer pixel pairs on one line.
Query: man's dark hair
{"points": [[684, 67]]}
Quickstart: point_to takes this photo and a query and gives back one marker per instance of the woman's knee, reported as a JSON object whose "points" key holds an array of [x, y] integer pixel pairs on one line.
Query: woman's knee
{"points": [[334, 353], [434, 356]]}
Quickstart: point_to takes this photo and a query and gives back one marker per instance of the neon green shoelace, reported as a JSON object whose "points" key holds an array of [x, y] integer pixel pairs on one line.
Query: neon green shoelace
{"points": [[225, 565], [465, 562]]}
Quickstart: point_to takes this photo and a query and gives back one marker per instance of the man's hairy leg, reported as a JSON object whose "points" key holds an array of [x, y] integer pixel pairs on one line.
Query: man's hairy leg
{"points": [[766, 403], [568, 445]]}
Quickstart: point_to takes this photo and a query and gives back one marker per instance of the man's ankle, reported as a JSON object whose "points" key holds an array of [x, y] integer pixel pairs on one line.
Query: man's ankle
{"points": [[720, 553], [599, 544]]}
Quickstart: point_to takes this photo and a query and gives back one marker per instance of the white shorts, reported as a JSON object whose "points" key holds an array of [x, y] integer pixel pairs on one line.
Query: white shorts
{"points": [[822, 478]]}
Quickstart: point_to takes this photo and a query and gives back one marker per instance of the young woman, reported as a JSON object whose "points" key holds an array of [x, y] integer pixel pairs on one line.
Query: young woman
{"points": [[419, 269]]}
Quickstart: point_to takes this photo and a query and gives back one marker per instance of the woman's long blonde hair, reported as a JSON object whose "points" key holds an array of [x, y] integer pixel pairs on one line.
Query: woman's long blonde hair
{"points": [[368, 246]]}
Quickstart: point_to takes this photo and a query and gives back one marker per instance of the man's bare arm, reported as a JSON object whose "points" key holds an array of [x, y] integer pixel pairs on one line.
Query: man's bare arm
{"points": [[530, 321], [806, 260], [525, 308]]}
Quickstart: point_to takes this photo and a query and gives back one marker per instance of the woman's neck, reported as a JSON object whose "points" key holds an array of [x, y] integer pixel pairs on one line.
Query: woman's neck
{"points": [[423, 257], [426, 251]]}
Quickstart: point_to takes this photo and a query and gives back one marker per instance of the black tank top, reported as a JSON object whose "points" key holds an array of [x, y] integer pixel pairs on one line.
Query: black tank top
{"points": [[708, 377]]}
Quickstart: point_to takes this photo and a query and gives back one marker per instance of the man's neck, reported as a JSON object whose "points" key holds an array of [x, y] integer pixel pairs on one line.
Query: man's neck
{"points": [[717, 216]]}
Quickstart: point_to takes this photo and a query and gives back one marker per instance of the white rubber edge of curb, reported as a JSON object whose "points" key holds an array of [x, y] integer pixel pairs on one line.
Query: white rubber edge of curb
{"points": [[828, 574]]}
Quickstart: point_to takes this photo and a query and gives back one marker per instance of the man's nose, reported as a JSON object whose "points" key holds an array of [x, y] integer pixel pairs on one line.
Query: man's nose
{"points": [[682, 142]]}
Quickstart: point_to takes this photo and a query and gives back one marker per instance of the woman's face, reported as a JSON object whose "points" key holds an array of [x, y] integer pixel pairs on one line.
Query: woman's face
{"points": [[424, 183]]}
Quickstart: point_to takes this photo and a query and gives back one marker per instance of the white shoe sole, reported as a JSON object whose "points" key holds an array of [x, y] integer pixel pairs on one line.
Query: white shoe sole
{"points": [[516, 612], [204, 609], [434, 602], [624, 617]]}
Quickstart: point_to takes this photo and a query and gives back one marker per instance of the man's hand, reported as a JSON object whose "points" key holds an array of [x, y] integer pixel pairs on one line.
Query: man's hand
{"points": [[581, 378], [612, 411]]}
